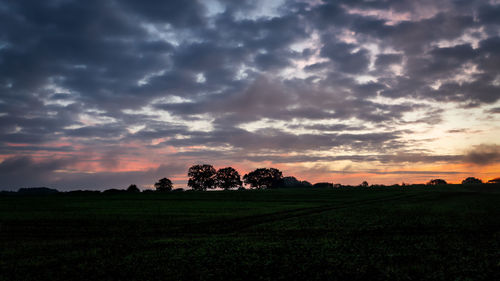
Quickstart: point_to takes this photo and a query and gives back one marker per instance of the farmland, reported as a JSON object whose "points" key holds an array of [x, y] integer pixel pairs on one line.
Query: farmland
{"points": [[406, 233]]}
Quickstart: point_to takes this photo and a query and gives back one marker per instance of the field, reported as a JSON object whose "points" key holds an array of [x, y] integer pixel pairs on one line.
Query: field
{"points": [[426, 233]]}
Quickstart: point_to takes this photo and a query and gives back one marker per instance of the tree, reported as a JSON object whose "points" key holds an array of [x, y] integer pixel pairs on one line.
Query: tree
{"points": [[364, 184], [472, 180], [164, 185], [227, 178], [201, 177], [133, 188], [436, 182], [292, 182], [323, 185], [495, 180], [264, 178]]}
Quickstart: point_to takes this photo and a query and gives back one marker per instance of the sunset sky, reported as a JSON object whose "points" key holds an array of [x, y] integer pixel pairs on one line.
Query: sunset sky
{"points": [[102, 94]]}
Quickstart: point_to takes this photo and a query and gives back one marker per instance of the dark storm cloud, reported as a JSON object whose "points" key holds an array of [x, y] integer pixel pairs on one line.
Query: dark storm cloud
{"points": [[100, 73]]}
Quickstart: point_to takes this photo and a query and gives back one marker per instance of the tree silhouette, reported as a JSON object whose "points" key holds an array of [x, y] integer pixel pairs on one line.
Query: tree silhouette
{"points": [[163, 185], [495, 180], [292, 182], [436, 182], [227, 178], [364, 184], [133, 188], [201, 177], [472, 180], [263, 178]]}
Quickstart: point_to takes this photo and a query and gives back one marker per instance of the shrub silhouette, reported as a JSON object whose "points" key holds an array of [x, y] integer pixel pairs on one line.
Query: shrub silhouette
{"points": [[133, 188], [37, 190], [495, 180], [163, 185], [113, 191], [264, 178], [227, 178], [323, 185], [201, 177], [436, 182]]}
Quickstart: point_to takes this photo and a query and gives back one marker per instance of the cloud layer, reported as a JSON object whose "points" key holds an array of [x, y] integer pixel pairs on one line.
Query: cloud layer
{"points": [[106, 93]]}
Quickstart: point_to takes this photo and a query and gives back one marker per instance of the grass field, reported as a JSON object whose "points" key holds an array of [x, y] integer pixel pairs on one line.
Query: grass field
{"points": [[443, 233]]}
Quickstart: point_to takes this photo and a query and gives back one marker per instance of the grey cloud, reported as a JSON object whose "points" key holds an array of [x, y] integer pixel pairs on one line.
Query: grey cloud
{"points": [[408, 172], [483, 154], [18, 172], [120, 180], [397, 158], [489, 14], [260, 99], [177, 12], [495, 110], [334, 127], [24, 172], [342, 56], [6, 149], [61, 61], [103, 131], [277, 140], [384, 60]]}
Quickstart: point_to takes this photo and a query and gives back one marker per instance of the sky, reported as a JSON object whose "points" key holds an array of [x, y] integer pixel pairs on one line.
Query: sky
{"points": [[105, 93]]}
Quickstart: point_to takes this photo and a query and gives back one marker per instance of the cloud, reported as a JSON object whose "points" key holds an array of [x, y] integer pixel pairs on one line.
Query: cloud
{"points": [[495, 110], [120, 180], [105, 82], [483, 154], [24, 171]]}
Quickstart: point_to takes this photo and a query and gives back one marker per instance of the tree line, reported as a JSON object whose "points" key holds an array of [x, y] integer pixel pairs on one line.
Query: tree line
{"points": [[204, 177]]}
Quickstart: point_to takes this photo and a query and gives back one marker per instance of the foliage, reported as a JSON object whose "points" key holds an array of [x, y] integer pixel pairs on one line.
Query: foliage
{"points": [[323, 185], [113, 191], [133, 188], [472, 180], [227, 178], [164, 185], [495, 180], [201, 177], [364, 184], [264, 178], [37, 190], [292, 182], [436, 182]]}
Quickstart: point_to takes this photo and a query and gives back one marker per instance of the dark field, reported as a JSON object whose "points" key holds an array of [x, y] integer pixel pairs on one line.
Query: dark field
{"points": [[444, 233]]}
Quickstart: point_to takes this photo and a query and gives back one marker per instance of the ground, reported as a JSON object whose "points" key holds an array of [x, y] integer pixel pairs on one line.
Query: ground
{"points": [[406, 233]]}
